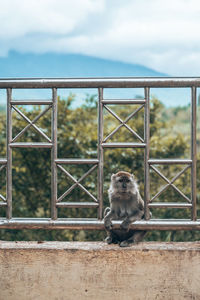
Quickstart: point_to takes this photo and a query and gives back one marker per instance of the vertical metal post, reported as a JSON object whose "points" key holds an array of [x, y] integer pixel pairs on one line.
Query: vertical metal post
{"points": [[146, 154], [9, 155], [100, 153], [193, 153], [54, 155]]}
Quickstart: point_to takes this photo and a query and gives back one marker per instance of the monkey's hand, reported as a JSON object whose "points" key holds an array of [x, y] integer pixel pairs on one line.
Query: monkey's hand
{"points": [[125, 225], [108, 224]]}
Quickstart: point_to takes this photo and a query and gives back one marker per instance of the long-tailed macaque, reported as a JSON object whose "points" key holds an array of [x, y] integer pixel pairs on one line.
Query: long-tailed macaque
{"points": [[127, 205]]}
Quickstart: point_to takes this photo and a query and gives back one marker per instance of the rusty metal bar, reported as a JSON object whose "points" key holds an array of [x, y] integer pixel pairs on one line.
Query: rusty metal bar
{"points": [[100, 154], [9, 156], [146, 153], [118, 82], [54, 155], [31, 102], [94, 224], [193, 152]]}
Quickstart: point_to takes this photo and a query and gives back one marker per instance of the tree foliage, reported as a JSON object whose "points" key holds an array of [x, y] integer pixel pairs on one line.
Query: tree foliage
{"points": [[77, 138]]}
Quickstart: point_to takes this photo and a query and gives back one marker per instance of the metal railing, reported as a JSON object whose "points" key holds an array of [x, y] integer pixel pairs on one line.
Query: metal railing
{"points": [[57, 163]]}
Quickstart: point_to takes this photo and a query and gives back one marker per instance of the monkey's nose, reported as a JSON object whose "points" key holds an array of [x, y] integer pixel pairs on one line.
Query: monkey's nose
{"points": [[124, 185]]}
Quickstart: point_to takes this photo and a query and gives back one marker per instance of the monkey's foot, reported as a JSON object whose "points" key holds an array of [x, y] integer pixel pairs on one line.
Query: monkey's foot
{"points": [[111, 240], [126, 243], [108, 240]]}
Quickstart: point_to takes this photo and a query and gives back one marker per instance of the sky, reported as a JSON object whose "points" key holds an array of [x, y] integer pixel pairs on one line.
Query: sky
{"points": [[162, 35]]}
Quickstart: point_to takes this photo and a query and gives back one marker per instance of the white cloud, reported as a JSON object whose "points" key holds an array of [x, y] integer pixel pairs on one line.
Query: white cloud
{"points": [[163, 35], [21, 17]]}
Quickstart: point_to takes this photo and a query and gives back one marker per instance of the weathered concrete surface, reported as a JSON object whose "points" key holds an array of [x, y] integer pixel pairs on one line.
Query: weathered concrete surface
{"points": [[70, 271]]}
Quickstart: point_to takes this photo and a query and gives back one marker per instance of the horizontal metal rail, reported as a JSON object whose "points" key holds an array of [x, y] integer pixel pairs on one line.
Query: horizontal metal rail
{"points": [[58, 202], [3, 161], [77, 204], [76, 161], [170, 161], [118, 82], [95, 224], [31, 102], [123, 101], [169, 205], [123, 145], [30, 145]]}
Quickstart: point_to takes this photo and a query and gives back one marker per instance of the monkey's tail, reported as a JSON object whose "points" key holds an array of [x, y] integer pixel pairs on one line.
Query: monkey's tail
{"points": [[107, 210]]}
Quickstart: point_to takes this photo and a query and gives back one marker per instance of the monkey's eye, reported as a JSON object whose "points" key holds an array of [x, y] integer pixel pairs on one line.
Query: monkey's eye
{"points": [[127, 180], [120, 180]]}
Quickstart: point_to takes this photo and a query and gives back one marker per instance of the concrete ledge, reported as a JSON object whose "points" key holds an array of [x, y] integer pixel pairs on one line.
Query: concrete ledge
{"points": [[94, 270]]}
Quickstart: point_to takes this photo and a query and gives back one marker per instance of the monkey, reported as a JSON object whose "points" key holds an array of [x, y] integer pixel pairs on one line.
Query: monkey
{"points": [[126, 204]]}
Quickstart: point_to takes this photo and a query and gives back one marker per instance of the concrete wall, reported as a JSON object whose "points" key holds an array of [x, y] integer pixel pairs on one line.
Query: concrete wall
{"points": [[68, 271]]}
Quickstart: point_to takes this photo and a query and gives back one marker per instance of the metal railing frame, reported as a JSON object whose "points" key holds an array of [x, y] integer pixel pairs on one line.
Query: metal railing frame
{"points": [[99, 83]]}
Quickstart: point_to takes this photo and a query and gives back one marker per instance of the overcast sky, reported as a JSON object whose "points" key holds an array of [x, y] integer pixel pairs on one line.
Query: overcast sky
{"points": [[163, 35]]}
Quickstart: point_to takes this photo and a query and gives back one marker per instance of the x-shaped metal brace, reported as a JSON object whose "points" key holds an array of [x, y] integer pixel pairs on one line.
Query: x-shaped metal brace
{"points": [[31, 123], [170, 183], [1, 196], [77, 183], [123, 123]]}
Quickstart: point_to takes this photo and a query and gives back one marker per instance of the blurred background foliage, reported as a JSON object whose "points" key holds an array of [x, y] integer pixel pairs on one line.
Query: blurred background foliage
{"points": [[77, 138]]}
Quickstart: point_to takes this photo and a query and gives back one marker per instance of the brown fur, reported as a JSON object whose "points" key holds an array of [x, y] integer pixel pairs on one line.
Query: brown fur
{"points": [[127, 205], [123, 173]]}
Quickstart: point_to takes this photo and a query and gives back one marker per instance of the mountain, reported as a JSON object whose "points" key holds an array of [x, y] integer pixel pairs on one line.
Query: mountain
{"points": [[67, 65], [17, 65]]}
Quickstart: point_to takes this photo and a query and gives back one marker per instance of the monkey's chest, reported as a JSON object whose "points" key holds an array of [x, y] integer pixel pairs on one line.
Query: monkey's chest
{"points": [[123, 211]]}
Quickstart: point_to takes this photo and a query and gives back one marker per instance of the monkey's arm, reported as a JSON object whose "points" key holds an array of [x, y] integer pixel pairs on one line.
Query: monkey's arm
{"points": [[137, 215], [107, 219]]}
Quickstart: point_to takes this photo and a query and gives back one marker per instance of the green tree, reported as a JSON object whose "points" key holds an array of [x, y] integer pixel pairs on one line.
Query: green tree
{"points": [[77, 138]]}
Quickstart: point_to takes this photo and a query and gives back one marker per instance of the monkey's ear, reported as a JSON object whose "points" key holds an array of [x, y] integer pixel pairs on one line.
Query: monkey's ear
{"points": [[132, 175], [113, 176]]}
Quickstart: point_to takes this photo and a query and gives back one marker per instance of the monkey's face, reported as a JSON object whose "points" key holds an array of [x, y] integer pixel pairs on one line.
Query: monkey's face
{"points": [[123, 183]]}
